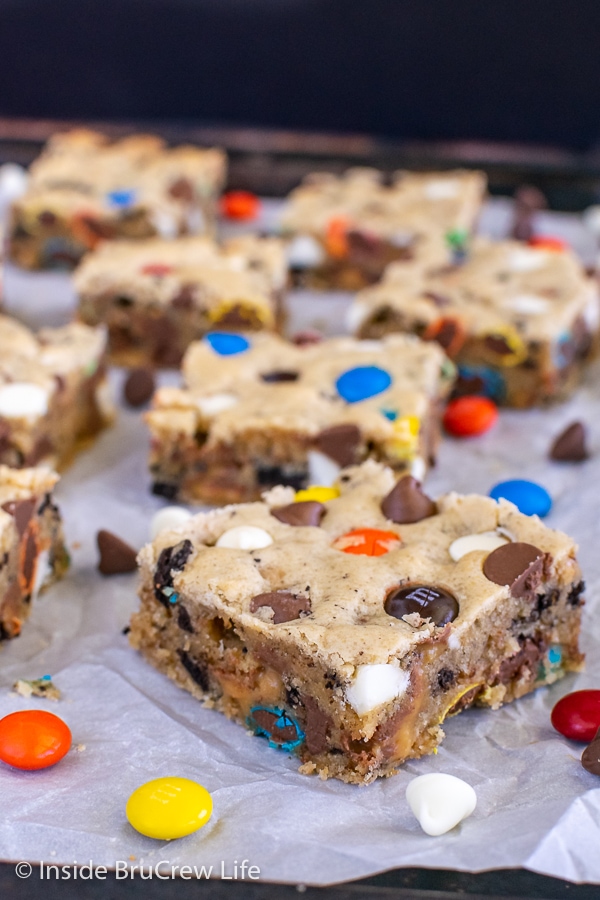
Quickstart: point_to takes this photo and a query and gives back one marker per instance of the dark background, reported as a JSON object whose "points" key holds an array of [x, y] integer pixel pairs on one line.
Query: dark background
{"points": [[509, 70]]}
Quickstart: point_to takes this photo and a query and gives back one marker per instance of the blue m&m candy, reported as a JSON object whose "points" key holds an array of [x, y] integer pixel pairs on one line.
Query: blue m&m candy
{"points": [[529, 498], [121, 199], [227, 344], [362, 382]]}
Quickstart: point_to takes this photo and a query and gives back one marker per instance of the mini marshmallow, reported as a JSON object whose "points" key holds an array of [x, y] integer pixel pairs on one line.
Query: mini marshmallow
{"points": [[374, 685], [525, 259], [418, 469], [485, 540], [528, 304], [304, 252], [165, 224], [439, 802], [211, 406], [321, 469], [245, 537], [442, 189], [168, 518], [356, 314], [23, 400]]}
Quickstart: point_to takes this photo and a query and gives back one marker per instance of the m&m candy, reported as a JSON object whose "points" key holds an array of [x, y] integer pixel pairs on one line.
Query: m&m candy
{"points": [[577, 715], [169, 808], [227, 344], [33, 739], [362, 382], [241, 205], [470, 416], [529, 498], [367, 542]]}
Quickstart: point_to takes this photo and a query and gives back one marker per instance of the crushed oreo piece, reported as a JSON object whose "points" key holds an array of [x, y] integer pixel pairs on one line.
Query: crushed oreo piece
{"points": [[426, 601], [305, 512], [183, 620], [196, 671], [517, 565], [164, 489], [407, 503], [446, 678], [279, 375], [339, 443], [285, 605], [570, 445], [139, 387], [171, 559], [116, 556], [574, 597]]}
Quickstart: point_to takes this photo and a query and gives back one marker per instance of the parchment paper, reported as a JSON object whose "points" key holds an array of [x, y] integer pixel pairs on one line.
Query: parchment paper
{"points": [[537, 807]]}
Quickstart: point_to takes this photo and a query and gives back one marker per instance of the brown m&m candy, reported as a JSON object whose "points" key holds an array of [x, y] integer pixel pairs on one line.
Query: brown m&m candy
{"points": [[406, 502], [516, 565], [286, 606], [427, 601]]}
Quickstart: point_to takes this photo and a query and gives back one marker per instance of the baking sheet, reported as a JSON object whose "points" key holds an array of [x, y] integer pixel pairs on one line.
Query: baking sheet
{"points": [[537, 807]]}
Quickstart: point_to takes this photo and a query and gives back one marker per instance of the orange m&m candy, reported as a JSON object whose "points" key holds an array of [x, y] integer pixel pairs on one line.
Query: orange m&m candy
{"points": [[33, 739], [368, 542], [470, 416], [240, 205], [336, 240], [547, 242]]}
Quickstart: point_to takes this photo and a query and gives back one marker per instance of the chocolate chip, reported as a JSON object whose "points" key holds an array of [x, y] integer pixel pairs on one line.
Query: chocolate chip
{"points": [[116, 557], [281, 375], [182, 189], [517, 565], [47, 218], [428, 602], [306, 512], [139, 387], [590, 759], [21, 511], [339, 443], [185, 298], [448, 333], [285, 605], [570, 446], [407, 503]]}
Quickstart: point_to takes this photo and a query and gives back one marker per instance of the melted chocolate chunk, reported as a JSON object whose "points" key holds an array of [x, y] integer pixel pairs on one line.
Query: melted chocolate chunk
{"points": [[279, 375], [116, 557], [47, 218], [21, 511], [427, 601], [185, 298], [183, 619], [590, 759], [171, 559], [279, 728], [197, 671], [528, 657], [517, 565], [570, 445], [285, 605], [29, 557], [447, 333], [182, 189], [407, 503], [339, 443], [305, 512], [317, 727], [497, 344], [139, 387]]}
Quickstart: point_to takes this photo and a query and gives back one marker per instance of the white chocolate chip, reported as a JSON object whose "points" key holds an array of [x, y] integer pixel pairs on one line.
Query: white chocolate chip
{"points": [[245, 537], [356, 314], [418, 469], [374, 685], [304, 252], [168, 518], [321, 469], [43, 570], [591, 313], [23, 400], [526, 259], [211, 406], [13, 183], [486, 540], [441, 189], [369, 347], [528, 304], [439, 802], [165, 224]]}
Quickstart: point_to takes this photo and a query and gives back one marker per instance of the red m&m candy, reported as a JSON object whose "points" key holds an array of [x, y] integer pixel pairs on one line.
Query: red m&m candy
{"points": [[577, 716], [240, 205], [470, 416], [33, 739]]}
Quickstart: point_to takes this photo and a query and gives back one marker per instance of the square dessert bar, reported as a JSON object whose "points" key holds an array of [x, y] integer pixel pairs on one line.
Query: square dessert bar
{"points": [[346, 630], [84, 189], [348, 228], [53, 392], [519, 320], [157, 296], [32, 551], [257, 411]]}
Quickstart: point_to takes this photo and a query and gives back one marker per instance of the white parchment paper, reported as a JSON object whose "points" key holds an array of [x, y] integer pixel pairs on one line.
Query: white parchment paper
{"points": [[537, 807]]}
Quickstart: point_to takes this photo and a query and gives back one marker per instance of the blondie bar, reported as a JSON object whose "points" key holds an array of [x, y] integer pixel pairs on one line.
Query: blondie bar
{"points": [[53, 392], [257, 411], [84, 189], [346, 630], [348, 228], [157, 296], [32, 551], [519, 320]]}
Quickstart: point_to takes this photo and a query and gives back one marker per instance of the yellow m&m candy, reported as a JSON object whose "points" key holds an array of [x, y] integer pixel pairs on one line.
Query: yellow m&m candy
{"points": [[318, 493], [168, 808]]}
